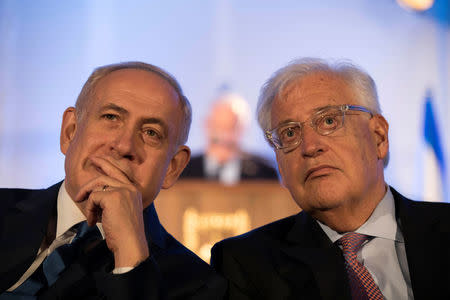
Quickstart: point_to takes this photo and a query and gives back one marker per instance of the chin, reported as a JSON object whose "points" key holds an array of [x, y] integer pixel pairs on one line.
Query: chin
{"points": [[324, 196], [325, 185]]}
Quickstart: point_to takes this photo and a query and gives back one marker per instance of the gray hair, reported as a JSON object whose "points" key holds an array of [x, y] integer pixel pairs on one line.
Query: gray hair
{"points": [[100, 72], [359, 80]]}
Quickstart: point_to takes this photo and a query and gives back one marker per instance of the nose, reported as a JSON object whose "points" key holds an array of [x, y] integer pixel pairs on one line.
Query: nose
{"points": [[125, 145], [312, 143]]}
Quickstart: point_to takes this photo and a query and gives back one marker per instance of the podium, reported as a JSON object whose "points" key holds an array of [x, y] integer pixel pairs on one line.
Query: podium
{"points": [[199, 213]]}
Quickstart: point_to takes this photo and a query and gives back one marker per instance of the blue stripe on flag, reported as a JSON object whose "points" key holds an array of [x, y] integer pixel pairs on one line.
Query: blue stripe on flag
{"points": [[431, 133]]}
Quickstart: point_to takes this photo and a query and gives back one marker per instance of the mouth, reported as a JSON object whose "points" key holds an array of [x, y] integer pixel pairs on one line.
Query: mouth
{"points": [[319, 171]]}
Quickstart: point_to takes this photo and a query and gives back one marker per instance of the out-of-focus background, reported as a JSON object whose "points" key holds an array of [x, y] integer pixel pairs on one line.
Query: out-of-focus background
{"points": [[49, 48]]}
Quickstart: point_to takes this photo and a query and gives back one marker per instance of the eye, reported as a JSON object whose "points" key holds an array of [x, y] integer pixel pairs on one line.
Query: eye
{"points": [[151, 132], [152, 136], [288, 134], [110, 117], [329, 122]]}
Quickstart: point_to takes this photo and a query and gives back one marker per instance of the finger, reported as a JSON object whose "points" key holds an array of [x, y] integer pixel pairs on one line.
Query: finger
{"points": [[96, 184], [95, 205], [92, 210], [111, 170]]}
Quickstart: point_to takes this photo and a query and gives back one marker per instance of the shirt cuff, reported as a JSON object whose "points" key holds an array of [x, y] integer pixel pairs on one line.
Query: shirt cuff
{"points": [[122, 270]]}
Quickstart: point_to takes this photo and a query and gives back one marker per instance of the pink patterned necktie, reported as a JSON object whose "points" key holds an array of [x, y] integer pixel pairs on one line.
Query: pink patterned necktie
{"points": [[362, 284]]}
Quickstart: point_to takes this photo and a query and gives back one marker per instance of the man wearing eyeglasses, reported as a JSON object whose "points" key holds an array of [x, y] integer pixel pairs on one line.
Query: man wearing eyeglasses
{"points": [[356, 237]]}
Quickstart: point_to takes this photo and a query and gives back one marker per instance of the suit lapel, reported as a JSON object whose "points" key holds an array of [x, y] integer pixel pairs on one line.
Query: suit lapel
{"points": [[309, 246], [155, 233], [423, 237], [25, 225]]}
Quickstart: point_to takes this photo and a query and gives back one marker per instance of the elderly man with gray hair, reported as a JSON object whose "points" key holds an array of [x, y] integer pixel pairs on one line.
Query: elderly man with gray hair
{"points": [[356, 237]]}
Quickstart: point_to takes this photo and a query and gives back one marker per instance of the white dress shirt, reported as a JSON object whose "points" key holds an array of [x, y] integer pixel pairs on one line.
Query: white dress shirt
{"points": [[68, 215], [229, 173], [384, 256]]}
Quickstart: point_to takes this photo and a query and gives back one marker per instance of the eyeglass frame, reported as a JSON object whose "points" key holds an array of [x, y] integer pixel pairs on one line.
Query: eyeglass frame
{"points": [[343, 108]]}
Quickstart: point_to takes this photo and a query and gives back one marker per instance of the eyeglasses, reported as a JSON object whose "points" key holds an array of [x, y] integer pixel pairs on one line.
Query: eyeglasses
{"points": [[327, 120]]}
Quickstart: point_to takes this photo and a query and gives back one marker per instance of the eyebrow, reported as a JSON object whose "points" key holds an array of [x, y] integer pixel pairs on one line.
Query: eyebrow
{"points": [[314, 111], [115, 107], [286, 121], [154, 121], [319, 109]]}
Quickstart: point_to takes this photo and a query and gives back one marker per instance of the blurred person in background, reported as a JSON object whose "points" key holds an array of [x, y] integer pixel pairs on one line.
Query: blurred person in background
{"points": [[223, 159]]}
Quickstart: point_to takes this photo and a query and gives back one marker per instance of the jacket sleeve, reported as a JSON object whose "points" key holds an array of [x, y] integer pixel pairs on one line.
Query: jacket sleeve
{"points": [[143, 282], [146, 281]]}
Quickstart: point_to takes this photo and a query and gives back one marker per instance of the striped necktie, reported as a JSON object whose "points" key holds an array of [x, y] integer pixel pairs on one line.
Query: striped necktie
{"points": [[51, 268], [362, 285]]}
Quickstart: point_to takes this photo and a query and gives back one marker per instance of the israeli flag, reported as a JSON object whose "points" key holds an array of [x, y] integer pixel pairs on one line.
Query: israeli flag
{"points": [[434, 164]]}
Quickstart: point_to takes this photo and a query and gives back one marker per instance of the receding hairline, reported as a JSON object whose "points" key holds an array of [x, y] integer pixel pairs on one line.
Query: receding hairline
{"points": [[101, 73], [327, 75], [161, 82]]}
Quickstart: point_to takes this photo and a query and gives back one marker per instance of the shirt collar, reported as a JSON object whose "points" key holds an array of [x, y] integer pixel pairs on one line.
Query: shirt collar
{"points": [[68, 213], [381, 223]]}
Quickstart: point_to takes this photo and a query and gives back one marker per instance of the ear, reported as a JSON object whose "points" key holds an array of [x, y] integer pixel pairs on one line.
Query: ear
{"points": [[176, 166], [68, 128], [380, 129]]}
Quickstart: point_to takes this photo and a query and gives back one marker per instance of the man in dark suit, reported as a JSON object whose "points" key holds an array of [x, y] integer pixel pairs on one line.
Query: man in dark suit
{"points": [[123, 141], [223, 159], [356, 237], [251, 167]]}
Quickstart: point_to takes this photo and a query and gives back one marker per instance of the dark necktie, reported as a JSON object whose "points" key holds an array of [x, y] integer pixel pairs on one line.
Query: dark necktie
{"points": [[362, 285], [52, 266]]}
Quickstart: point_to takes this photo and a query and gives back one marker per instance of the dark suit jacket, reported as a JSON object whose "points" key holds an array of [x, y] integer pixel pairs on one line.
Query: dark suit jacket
{"points": [[252, 167], [172, 271], [294, 259]]}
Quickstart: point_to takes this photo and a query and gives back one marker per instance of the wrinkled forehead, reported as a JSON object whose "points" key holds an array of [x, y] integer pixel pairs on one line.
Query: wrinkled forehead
{"points": [[302, 97], [140, 82], [315, 84]]}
